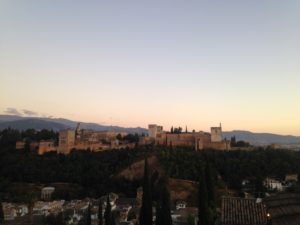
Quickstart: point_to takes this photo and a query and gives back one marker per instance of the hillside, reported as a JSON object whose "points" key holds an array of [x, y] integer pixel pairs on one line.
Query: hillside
{"points": [[23, 123], [180, 189], [136, 170], [36, 124], [262, 138]]}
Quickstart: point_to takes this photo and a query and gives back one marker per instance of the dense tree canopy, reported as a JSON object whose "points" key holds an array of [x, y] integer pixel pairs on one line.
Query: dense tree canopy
{"points": [[232, 166], [95, 171]]}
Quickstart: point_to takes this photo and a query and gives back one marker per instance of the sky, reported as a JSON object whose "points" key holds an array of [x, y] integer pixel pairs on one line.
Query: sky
{"points": [[132, 63]]}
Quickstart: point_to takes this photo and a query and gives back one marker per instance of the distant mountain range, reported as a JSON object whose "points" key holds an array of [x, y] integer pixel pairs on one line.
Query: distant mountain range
{"points": [[262, 138], [56, 124]]}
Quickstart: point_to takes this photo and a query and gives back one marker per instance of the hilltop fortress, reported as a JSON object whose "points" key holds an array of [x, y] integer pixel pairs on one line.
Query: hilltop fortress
{"points": [[198, 140], [84, 139], [90, 139], [105, 140]]}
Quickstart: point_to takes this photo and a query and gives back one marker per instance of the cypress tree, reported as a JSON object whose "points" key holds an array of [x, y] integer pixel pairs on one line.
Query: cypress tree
{"points": [[158, 219], [107, 213], [100, 217], [88, 216], [1, 214], [203, 211], [113, 219], [210, 185], [163, 212], [146, 209]]}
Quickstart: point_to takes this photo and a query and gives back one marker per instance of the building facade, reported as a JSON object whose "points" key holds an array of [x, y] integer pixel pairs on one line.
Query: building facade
{"points": [[197, 140], [90, 139]]}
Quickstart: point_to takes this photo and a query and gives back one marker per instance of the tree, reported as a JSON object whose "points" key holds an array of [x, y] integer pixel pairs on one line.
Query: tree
{"points": [[1, 214], [210, 185], [131, 215], [203, 210], [233, 141], [119, 137], [259, 187], [30, 198], [9, 137], [172, 130], [113, 219], [88, 216], [163, 212], [27, 146], [131, 138], [179, 130], [54, 220], [190, 220], [146, 209], [100, 217], [107, 213]]}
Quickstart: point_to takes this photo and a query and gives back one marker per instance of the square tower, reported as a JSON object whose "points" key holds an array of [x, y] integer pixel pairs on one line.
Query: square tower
{"points": [[216, 134], [66, 141]]}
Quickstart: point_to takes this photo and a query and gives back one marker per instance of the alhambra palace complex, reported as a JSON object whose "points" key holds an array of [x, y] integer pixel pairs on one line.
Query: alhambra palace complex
{"points": [[197, 140], [83, 139]]}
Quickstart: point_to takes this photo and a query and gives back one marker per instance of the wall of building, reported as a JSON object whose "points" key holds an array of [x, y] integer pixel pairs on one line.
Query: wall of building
{"points": [[20, 144], [146, 140], [223, 145], [46, 146], [154, 129], [170, 139], [66, 141], [216, 134], [197, 140], [90, 139]]}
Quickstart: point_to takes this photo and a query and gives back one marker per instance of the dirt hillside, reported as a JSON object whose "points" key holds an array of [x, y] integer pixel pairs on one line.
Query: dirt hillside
{"points": [[179, 189]]}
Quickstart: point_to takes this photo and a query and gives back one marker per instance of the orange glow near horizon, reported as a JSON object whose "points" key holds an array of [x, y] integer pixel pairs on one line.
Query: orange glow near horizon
{"points": [[192, 64]]}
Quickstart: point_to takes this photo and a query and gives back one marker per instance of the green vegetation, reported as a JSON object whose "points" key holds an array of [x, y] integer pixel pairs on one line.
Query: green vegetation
{"points": [[88, 216], [107, 214], [100, 216], [8, 137], [54, 220], [232, 166], [203, 211], [90, 174], [235, 143], [131, 138], [146, 209], [94, 173], [163, 209], [1, 213], [176, 130]]}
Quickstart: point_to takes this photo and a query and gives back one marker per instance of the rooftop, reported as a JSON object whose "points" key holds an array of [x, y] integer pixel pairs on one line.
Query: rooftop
{"points": [[241, 211]]}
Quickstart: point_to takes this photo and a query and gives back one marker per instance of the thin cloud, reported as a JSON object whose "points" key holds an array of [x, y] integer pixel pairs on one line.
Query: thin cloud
{"points": [[13, 111], [46, 116], [29, 112]]}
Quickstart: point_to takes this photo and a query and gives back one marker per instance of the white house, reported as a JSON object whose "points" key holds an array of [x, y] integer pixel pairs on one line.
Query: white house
{"points": [[273, 184]]}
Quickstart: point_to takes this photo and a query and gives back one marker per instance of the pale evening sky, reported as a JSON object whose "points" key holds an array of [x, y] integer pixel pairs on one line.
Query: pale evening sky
{"points": [[130, 63]]}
